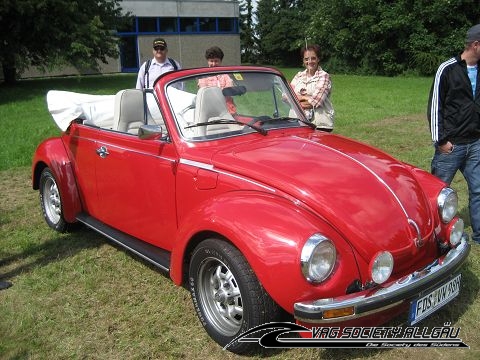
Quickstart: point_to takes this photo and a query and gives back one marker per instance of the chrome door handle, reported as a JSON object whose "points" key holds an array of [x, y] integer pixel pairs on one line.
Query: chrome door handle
{"points": [[103, 152]]}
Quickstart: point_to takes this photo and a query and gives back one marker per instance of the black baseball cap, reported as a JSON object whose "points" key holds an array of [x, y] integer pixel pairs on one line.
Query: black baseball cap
{"points": [[159, 42]]}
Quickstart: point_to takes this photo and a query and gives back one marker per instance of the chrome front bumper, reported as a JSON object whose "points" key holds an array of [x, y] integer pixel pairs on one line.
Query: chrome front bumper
{"points": [[376, 300]]}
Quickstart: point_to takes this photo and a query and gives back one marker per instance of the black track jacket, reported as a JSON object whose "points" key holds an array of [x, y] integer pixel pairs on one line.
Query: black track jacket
{"points": [[453, 111]]}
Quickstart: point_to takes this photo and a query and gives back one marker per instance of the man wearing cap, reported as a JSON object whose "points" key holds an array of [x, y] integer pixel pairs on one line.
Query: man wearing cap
{"points": [[153, 68], [454, 116]]}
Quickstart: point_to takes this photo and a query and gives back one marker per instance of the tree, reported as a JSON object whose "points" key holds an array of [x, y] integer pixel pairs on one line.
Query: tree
{"points": [[49, 33], [385, 37], [380, 37], [280, 31], [248, 40]]}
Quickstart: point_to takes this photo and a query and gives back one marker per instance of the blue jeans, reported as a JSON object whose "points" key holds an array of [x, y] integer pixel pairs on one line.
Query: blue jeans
{"points": [[466, 158]]}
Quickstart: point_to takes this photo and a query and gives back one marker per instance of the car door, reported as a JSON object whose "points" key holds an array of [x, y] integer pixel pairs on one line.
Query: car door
{"points": [[81, 142], [135, 181]]}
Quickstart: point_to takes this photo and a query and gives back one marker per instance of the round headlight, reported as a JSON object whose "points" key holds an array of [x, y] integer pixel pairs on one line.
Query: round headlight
{"points": [[447, 202], [381, 267], [318, 258], [456, 232]]}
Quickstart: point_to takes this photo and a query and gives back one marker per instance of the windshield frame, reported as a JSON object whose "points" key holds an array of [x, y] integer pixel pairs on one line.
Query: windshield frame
{"points": [[245, 80]]}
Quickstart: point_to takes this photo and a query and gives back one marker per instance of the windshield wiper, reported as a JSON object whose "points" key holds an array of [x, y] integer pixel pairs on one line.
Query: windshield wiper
{"points": [[309, 123], [228, 121], [286, 118]]}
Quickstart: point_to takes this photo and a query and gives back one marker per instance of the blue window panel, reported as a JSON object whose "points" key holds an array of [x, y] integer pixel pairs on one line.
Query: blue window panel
{"points": [[128, 54], [188, 25], [226, 25], [147, 24], [208, 24], [176, 25], [169, 25]]}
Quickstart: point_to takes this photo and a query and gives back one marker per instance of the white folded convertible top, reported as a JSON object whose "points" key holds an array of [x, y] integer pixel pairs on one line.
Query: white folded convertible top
{"points": [[66, 106]]}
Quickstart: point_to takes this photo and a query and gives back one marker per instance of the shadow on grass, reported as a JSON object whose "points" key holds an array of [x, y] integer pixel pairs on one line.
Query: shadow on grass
{"points": [[60, 247]]}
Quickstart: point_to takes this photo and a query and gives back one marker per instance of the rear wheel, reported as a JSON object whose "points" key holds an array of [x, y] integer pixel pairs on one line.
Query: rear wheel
{"points": [[227, 295], [51, 201]]}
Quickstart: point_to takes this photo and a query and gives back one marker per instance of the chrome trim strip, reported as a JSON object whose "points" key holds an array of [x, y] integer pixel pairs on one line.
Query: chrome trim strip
{"points": [[268, 188], [351, 317], [197, 164], [212, 168], [373, 301], [419, 240], [129, 149]]}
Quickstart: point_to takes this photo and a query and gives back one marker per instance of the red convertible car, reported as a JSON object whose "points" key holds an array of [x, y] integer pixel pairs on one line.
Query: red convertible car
{"points": [[235, 195]]}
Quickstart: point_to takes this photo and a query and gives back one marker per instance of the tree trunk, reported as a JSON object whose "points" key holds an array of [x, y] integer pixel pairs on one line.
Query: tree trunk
{"points": [[9, 74]]}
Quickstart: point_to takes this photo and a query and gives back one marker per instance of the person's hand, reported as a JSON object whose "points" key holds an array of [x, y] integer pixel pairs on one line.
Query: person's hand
{"points": [[304, 102], [446, 148]]}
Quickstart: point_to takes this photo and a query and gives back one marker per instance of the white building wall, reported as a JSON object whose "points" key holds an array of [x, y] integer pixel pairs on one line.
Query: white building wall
{"points": [[188, 49], [191, 8]]}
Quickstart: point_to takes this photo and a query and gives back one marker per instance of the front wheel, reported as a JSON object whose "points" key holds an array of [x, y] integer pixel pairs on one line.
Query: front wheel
{"points": [[51, 201], [227, 295]]}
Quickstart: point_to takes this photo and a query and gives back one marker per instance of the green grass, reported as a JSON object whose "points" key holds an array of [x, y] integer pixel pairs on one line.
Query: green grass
{"points": [[24, 117], [77, 296]]}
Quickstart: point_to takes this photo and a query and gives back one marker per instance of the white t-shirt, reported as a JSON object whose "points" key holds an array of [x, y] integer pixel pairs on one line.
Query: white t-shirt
{"points": [[156, 69], [472, 75]]}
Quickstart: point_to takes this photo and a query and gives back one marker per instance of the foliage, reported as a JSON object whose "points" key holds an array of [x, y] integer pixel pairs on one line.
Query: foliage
{"points": [[78, 296], [247, 34], [52, 32], [381, 37], [279, 29]]}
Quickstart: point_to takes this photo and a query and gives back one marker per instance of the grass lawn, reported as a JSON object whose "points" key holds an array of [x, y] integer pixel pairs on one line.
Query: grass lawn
{"points": [[78, 296]]}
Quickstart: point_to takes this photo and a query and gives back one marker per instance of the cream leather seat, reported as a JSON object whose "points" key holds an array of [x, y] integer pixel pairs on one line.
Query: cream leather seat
{"points": [[211, 105], [129, 111]]}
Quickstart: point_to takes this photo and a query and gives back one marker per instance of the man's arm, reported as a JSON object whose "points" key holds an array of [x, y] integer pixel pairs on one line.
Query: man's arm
{"points": [[435, 110], [141, 77]]}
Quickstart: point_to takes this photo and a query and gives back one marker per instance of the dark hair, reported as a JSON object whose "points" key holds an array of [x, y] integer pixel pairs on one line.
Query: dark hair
{"points": [[214, 53], [313, 47]]}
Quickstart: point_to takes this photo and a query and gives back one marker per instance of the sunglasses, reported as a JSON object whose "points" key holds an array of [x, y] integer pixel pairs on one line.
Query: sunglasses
{"points": [[159, 48]]}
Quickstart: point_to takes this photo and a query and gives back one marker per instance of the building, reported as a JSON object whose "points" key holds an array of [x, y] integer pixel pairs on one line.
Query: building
{"points": [[189, 28]]}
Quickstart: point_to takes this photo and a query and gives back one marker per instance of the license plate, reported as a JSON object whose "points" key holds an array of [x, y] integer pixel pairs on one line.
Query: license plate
{"points": [[431, 302]]}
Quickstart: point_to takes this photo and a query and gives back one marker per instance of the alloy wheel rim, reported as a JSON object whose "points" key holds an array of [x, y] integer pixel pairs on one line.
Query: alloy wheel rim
{"points": [[51, 200], [220, 297]]}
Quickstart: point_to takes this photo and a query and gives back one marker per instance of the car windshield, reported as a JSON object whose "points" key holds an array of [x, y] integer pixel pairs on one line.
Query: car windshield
{"points": [[226, 104]]}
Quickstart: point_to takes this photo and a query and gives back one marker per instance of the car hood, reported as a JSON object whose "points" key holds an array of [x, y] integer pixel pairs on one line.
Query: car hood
{"points": [[366, 195]]}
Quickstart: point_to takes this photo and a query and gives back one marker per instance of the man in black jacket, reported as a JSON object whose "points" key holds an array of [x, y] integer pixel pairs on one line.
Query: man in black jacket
{"points": [[454, 116]]}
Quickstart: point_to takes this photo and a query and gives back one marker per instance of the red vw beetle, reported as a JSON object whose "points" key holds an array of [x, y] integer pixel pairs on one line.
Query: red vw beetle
{"points": [[236, 195]]}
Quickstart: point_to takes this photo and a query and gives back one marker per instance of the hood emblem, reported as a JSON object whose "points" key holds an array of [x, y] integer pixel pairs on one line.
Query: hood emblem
{"points": [[418, 241]]}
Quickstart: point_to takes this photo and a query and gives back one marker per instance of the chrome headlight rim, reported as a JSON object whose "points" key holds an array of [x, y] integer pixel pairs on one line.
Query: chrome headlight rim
{"points": [[381, 267], [447, 202], [318, 258]]}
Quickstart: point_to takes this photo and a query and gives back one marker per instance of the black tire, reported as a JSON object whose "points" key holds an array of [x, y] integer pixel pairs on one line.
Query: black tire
{"points": [[51, 201], [227, 295]]}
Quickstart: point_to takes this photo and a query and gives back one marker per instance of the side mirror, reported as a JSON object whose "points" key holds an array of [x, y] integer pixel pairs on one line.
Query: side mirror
{"points": [[150, 132]]}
